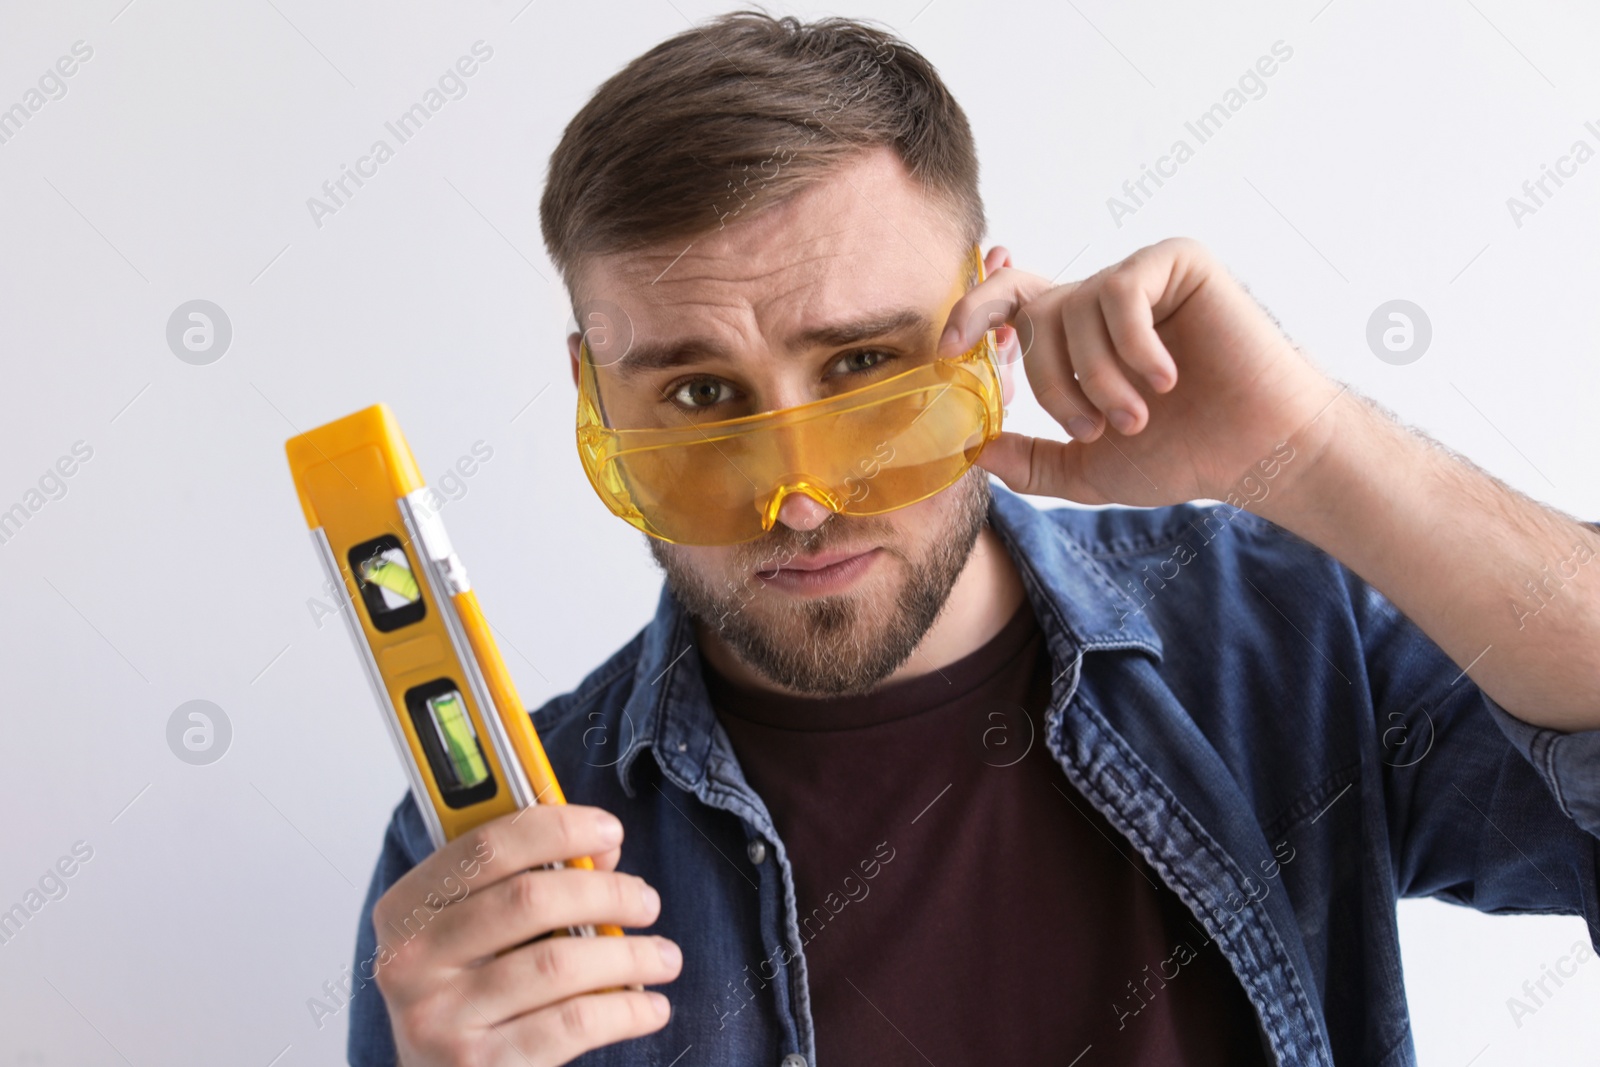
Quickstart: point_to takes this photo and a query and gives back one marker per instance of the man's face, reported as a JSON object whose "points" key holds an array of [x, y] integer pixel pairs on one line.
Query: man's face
{"points": [[822, 603]]}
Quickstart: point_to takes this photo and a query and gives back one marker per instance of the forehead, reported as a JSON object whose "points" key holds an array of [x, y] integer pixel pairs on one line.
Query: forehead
{"points": [[863, 238]]}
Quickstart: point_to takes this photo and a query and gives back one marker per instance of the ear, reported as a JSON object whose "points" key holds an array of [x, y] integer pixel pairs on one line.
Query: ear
{"points": [[1007, 346], [574, 339], [1009, 351]]}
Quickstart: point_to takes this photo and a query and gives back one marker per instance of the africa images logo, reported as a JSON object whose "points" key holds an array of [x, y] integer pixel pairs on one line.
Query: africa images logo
{"points": [[451, 85], [1252, 85]]}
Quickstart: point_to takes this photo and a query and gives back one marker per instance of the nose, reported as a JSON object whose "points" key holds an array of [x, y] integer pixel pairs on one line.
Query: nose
{"points": [[800, 512]]}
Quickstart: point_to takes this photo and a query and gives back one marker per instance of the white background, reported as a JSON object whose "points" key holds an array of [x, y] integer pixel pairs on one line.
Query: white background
{"points": [[178, 165]]}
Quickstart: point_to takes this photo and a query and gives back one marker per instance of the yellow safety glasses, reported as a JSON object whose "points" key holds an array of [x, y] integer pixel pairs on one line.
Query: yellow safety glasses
{"points": [[862, 452]]}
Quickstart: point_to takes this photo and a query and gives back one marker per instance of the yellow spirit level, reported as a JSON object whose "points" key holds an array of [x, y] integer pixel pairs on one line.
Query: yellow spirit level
{"points": [[463, 736]]}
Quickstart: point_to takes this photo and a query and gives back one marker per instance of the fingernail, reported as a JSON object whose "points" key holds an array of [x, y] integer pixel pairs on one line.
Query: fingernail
{"points": [[1078, 426], [652, 899], [608, 829], [671, 955], [951, 337], [660, 1004], [1122, 420]]}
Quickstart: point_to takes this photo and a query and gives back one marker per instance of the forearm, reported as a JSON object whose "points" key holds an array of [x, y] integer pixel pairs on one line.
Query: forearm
{"points": [[1508, 588]]}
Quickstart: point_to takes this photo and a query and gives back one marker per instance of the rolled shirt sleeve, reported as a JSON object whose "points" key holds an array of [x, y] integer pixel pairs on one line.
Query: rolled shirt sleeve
{"points": [[1567, 763], [1484, 810]]}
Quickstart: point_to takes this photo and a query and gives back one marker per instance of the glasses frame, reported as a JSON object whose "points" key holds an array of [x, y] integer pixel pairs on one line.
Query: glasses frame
{"points": [[600, 445]]}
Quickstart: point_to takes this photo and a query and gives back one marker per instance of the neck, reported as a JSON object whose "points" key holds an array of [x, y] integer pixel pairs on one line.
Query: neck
{"points": [[985, 596]]}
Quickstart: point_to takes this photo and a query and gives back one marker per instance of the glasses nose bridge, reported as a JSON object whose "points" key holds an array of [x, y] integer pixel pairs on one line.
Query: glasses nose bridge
{"points": [[802, 487], [801, 463]]}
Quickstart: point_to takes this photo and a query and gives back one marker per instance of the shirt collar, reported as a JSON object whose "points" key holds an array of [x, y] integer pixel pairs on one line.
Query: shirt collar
{"points": [[1078, 606]]}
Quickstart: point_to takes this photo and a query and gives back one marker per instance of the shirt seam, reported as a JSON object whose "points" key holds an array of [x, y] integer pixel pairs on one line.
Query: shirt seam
{"points": [[1293, 813]]}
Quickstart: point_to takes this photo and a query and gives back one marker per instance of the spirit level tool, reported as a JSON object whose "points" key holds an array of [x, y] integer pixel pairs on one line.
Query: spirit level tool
{"points": [[462, 734]]}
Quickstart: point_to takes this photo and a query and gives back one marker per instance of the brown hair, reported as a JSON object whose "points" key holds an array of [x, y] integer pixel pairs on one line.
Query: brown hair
{"points": [[743, 107]]}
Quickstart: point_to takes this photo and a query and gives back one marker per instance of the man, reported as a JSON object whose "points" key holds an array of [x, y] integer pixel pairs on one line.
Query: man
{"points": [[943, 778]]}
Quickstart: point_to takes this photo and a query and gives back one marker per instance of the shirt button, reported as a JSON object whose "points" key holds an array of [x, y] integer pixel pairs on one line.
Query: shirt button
{"points": [[793, 1059], [757, 851]]}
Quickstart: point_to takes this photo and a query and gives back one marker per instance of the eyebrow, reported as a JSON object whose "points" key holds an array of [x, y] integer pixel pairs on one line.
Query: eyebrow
{"points": [[662, 355]]}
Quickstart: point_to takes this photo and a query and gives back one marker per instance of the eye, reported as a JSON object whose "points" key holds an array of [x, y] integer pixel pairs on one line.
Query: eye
{"points": [[862, 360], [700, 393]]}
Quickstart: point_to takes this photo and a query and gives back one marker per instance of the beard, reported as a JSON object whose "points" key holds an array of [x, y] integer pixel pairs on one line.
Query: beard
{"points": [[840, 644]]}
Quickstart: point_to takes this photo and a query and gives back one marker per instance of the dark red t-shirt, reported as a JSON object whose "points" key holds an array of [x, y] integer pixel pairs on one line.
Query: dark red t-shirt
{"points": [[960, 902]]}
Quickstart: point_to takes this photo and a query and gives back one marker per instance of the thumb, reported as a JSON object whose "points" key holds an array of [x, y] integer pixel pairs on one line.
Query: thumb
{"points": [[1039, 467]]}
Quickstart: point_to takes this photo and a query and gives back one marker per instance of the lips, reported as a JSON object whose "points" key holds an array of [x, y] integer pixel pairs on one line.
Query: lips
{"points": [[824, 573], [825, 559]]}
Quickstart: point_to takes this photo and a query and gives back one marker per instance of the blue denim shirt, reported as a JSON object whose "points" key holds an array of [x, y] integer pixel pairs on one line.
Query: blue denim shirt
{"points": [[1288, 751]]}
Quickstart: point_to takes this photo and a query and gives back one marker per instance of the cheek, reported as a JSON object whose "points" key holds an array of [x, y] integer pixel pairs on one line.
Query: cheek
{"points": [[907, 532], [711, 566]]}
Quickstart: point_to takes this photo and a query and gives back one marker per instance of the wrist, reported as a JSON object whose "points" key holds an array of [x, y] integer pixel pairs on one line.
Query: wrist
{"points": [[1332, 458]]}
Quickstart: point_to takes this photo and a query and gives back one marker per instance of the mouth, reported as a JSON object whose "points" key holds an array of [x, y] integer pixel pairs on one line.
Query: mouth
{"points": [[826, 572]]}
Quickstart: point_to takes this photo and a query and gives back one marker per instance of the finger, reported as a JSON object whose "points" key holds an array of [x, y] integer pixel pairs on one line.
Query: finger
{"points": [[1099, 372], [1008, 458], [427, 897], [556, 968], [533, 837], [1172, 270], [607, 861], [986, 305], [1049, 367], [564, 1031], [536, 902], [1039, 466], [1126, 298]]}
